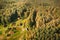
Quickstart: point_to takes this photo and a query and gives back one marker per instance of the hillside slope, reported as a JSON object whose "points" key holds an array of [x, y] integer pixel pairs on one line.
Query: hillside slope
{"points": [[29, 20]]}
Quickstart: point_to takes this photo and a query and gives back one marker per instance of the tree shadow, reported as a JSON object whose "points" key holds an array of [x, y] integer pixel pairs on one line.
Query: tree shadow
{"points": [[32, 23], [22, 13], [14, 16]]}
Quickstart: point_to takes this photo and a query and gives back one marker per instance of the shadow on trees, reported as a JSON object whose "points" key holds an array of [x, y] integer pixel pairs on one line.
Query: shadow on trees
{"points": [[22, 13], [14, 16], [32, 23]]}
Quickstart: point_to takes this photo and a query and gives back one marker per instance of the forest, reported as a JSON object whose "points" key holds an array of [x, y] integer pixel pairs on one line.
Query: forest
{"points": [[29, 19]]}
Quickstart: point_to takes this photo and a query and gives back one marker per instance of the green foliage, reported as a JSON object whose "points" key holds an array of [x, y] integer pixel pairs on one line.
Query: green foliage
{"points": [[0, 32]]}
